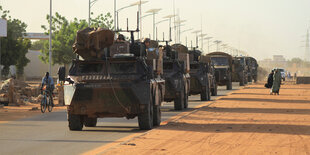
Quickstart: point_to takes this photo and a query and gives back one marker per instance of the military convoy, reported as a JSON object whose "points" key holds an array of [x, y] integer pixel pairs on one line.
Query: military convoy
{"points": [[202, 78], [118, 78], [223, 64]]}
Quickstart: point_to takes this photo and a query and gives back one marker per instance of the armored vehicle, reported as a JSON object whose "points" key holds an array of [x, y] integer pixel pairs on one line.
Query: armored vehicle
{"points": [[202, 76], [115, 79], [240, 71], [223, 68], [176, 75], [252, 67]]}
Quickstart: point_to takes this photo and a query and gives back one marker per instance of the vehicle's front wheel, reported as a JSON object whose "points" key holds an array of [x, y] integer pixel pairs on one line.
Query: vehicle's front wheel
{"points": [[214, 90], [179, 101], [145, 119], [90, 122], [75, 122], [205, 94], [185, 99], [229, 85]]}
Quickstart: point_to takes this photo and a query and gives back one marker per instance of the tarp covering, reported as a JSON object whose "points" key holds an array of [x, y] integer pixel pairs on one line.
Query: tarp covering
{"points": [[90, 42], [180, 48]]}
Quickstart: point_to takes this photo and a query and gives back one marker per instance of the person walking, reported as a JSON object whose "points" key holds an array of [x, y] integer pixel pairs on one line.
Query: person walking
{"points": [[269, 80], [276, 82]]}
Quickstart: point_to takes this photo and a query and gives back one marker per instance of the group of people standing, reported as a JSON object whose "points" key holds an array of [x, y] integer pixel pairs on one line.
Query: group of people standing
{"points": [[274, 81]]}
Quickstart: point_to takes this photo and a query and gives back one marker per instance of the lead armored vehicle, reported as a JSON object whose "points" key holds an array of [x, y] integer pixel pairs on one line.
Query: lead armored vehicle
{"points": [[223, 68], [176, 75], [114, 79], [202, 76]]}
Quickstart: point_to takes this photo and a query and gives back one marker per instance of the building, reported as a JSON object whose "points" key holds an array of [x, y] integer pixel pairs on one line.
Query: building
{"points": [[36, 68]]}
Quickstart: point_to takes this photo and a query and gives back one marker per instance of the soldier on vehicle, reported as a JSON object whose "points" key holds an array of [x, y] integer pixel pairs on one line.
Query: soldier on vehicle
{"points": [[120, 38], [49, 83]]}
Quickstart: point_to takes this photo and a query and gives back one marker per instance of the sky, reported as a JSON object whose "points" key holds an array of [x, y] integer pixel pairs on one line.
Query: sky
{"points": [[262, 28]]}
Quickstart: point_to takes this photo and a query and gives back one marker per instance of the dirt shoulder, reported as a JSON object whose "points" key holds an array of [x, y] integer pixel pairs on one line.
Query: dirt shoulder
{"points": [[249, 121]]}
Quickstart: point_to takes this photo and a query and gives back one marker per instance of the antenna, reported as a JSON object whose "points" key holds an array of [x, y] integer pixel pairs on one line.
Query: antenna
{"points": [[170, 34], [117, 21], [156, 34], [138, 22], [186, 40], [196, 41], [163, 36], [191, 44], [127, 25]]}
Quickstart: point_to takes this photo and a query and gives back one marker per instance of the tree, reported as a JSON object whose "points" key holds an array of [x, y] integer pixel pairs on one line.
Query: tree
{"points": [[64, 34], [14, 47]]}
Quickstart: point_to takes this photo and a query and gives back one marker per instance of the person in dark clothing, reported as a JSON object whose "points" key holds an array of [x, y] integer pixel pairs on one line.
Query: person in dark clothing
{"points": [[270, 80]]}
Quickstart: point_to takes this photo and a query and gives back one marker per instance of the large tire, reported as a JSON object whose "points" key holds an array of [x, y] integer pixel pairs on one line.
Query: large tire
{"points": [[255, 79], [145, 118], [250, 79], [179, 101], [157, 115], [75, 122], [90, 122], [241, 83], [229, 85], [205, 94], [185, 99], [214, 90], [156, 109]]}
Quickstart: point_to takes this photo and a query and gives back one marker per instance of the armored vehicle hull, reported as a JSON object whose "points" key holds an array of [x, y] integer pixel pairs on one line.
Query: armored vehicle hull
{"points": [[176, 84], [115, 87]]}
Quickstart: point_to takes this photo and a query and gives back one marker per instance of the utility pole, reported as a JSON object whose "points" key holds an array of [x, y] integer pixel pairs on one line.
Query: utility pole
{"points": [[307, 50], [50, 41]]}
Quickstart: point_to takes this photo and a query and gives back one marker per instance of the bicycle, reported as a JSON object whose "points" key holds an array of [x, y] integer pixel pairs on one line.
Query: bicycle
{"points": [[46, 101]]}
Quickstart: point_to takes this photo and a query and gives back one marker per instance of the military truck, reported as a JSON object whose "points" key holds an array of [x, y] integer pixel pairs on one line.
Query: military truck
{"points": [[114, 79], [240, 70], [202, 76], [223, 68], [176, 75], [252, 67]]}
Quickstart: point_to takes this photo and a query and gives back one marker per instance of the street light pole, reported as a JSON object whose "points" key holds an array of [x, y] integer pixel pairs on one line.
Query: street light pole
{"points": [[114, 15], [50, 41], [153, 11], [208, 39]]}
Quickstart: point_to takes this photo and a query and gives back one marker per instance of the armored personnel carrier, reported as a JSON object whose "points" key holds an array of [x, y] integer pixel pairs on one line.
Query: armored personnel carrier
{"points": [[176, 75], [202, 76], [240, 71], [223, 68], [114, 79]]}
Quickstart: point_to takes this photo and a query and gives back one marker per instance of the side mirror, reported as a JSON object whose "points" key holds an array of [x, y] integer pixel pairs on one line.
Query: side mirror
{"points": [[62, 74]]}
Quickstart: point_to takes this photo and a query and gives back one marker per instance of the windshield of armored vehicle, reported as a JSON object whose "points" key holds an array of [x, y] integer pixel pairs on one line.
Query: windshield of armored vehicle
{"points": [[123, 68], [219, 61], [90, 68]]}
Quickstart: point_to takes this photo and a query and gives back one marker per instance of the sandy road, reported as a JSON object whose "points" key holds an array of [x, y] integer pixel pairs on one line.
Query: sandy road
{"points": [[249, 121]]}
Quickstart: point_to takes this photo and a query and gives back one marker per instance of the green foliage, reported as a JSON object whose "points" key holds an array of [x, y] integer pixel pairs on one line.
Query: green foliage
{"points": [[64, 34], [14, 47], [38, 45]]}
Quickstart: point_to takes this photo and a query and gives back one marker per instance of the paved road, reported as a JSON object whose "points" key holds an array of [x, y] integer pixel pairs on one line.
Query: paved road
{"points": [[49, 134]]}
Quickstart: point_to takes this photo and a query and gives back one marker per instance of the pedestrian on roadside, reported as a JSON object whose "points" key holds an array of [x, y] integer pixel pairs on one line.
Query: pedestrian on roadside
{"points": [[269, 80], [276, 82]]}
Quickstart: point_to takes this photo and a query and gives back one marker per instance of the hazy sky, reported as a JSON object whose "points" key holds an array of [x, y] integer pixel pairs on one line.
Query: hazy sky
{"points": [[260, 27]]}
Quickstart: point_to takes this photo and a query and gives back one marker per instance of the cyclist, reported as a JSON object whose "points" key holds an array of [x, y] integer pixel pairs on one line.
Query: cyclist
{"points": [[48, 81]]}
